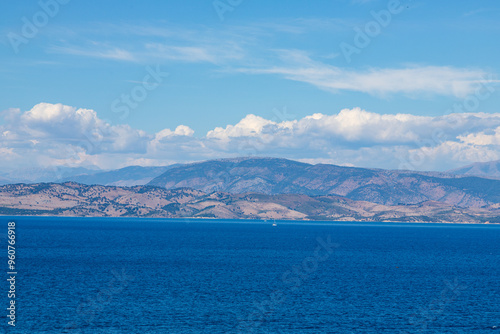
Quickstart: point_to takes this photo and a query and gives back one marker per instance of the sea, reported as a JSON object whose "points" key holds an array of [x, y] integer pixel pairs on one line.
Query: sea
{"points": [[137, 275]]}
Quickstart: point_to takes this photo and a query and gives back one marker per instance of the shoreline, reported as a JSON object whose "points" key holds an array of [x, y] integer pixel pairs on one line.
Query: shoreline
{"points": [[258, 220]]}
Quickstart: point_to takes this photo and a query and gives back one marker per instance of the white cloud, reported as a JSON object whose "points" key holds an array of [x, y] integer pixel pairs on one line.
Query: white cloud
{"points": [[65, 133], [452, 154], [48, 120], [412, 80], [167, 137], [250, 126], [355, 127], [355, 136], [55, 134], [482, 138]]}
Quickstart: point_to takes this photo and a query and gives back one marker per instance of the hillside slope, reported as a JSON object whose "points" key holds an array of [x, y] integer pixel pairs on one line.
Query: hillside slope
{"points": [[72, 199]]}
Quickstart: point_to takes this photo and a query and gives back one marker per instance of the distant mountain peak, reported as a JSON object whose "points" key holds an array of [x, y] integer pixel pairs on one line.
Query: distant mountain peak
{"points": [[242, 159], [490, 169]]}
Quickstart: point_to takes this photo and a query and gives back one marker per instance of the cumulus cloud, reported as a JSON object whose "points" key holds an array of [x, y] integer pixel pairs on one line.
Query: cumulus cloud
{"points": [[167, 137], [59, 134], [249, 126], [65, 125], [482, 138], [55, 134], [57, 120], [358, 127], [355, 136]]}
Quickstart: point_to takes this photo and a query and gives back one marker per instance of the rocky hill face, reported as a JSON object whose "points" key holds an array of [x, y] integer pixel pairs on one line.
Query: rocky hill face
{"points": [[72, 199], [273, 176]]}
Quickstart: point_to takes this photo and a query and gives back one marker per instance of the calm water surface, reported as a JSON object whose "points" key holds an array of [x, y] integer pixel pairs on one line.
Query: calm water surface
{"points": [[97, 275]]}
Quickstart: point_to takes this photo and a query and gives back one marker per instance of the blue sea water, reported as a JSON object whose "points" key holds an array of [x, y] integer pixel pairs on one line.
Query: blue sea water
{"points": [[95, 275]]}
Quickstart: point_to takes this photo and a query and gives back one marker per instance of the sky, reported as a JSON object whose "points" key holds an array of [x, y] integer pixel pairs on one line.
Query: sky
{"points": [[368, 83]]}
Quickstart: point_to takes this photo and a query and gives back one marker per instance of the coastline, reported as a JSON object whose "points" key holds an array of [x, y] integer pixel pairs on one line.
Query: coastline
{"points": [[262, 221]]}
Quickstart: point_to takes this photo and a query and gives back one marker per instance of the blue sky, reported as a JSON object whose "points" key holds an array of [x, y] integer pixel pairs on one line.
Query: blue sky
{"points": [[295, 80]]}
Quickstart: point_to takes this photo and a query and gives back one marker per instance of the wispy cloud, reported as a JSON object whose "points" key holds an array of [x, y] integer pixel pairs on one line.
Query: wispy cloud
{"points": [[104, 52], [239, 46], [302, 25], [195, 54], [440, 80], [476, 11], [362, 1], [155, 44], [182, 53]]}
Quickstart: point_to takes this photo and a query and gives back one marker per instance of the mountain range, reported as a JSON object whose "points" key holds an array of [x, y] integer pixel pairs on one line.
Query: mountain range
{"points": [[273, 176], [138, 175], [268, 188]]}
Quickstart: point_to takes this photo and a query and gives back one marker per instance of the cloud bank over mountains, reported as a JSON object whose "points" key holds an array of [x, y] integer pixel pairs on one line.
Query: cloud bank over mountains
{"points": [[56, 134]]}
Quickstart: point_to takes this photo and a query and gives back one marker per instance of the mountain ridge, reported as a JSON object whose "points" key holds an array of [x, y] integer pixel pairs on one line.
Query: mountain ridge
{"points": [[274, 176]]}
